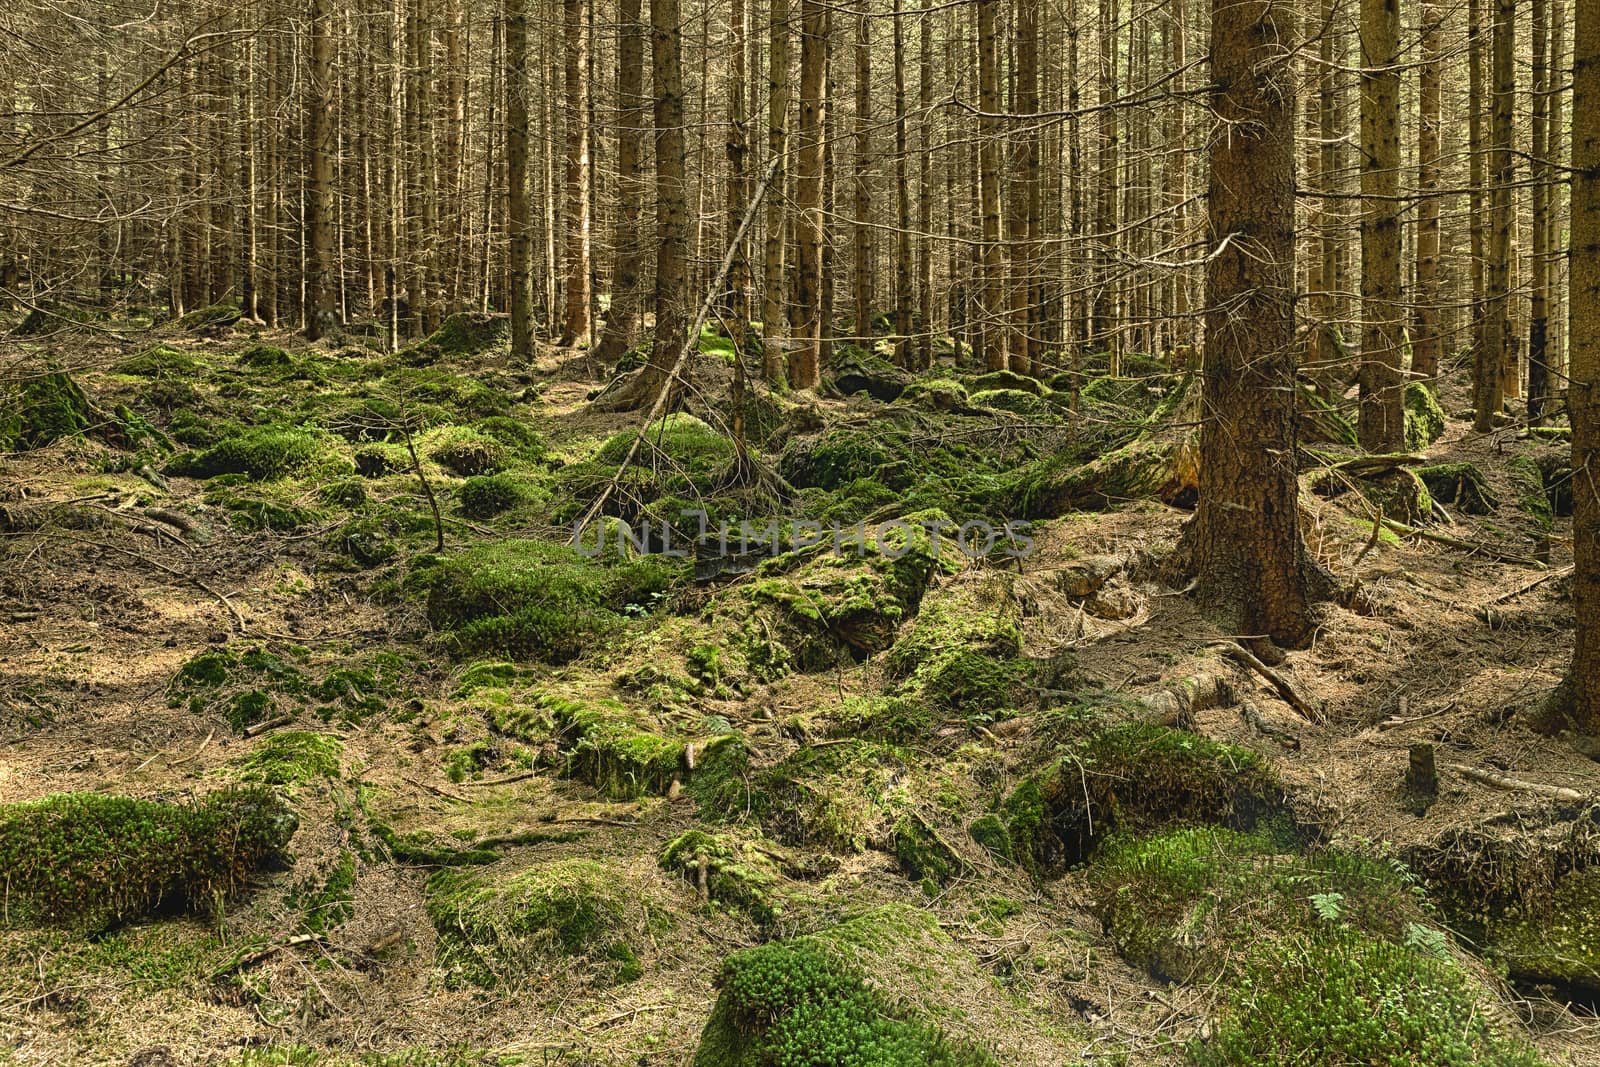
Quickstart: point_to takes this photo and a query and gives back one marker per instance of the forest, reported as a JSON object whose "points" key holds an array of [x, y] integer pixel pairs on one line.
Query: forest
{"points": [[789, 533]]}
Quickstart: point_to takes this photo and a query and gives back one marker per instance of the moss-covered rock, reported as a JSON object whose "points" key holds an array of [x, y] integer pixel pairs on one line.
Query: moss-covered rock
{"points": [[1006, 379], [498, 927], [1554, 940], [937, 394], [536, 599], [1527, 482], [613, 749], [1461, 484], [855, 370], [265, 357], [1424, 418], [461, 334], [742, 874], [89, 860], [260, 453], [1134, 777], [885, 989], [41, 410], [961, 653], [465, 452], [1015, 401], [210, 319]]}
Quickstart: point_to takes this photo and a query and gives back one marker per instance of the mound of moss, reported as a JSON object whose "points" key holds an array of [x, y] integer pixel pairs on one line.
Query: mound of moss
{"points": [[1552, 941], [1527, 481], [613, 750], [162, 361], [833, 797], [1461, 484], [211, 318], [1009, 380], [1016, 401], [1134, 777], [467, 453], [524, 598], [290, 757], [961, 653], [252, 684], [1344, 963], [874, 991], [486, 495], [259, 453], [461, 334], [497, 927], [41, 410], [88, 860]]}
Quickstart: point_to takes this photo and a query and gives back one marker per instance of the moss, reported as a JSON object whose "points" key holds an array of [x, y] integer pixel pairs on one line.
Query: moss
{"points": [[366, 541], [487, 495], [991, 832], [265, 357], [461, 334], [1424, 418], [466, 453], [721, 785], [251, 508], [162, 361], [1321, 421], [1134, 777], [1461, 484], [42, 410], [740, 875], [891, 719], [1527, 481], [211, 317], [613, 751], [816, 1001], [375, 461], [245, 686], [328, 902], [1345, 964], [290, 757], [961, 653], [940, 394], [486, 674], [344, 493], [1556, 940], [1016, 401], [923, 856], [518, 437], [1005, 379], [88, 860], [833, 797], [497, 927], [260, 454], [534, 598]]}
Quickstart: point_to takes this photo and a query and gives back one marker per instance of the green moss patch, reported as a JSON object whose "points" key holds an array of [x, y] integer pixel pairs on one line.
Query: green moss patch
{"points": [[1424, 418], [162, 361], [41, 410], [1344, 963], [498, 927], [289, 757], [465, 452], [535, 599], [1461, 484], [1555, 940], [485, 496], [88, 860], [460, 334], [875, 991], [260, 453], [1134, 777], [961, 653], [609, 747]]}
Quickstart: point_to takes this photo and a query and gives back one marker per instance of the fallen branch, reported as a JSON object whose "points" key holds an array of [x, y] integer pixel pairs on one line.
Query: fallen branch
{"points": [[1475, 547], [1177, 703], [1514, 785], [253, 958], [1285, 690], [1527, 587], [1253, 718], [256, 729]]}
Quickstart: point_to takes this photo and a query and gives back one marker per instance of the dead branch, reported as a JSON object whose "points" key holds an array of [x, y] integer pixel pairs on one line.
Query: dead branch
{"points": [[1514, 785]]}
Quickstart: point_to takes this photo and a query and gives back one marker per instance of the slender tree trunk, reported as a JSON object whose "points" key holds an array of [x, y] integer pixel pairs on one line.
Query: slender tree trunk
{"points": [[904, 290], [925, 191], [321, 293], [1427, 345], [575, 317], [861, 181], [1381, 423], [1023, 224], [1251, 566], [992, 285], [672, 192], [1490, 364], [1539, 194], [521, 252], [735, 304]]}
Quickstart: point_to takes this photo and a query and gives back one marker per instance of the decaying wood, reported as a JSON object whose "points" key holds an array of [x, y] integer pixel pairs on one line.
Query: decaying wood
{"points": [[1288, 692], [1177, 703], [1514, 785], [1252, 716], [1475, 547]]}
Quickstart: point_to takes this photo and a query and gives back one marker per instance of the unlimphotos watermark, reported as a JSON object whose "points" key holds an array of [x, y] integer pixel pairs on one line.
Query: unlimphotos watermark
{"points": [[697, 536]]}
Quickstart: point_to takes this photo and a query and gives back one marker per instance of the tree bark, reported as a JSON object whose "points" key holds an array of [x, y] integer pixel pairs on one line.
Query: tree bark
{"points": [[622, 317], [575, 285], [1427, 345], [1251, 566], [805, 363], [1380, 425], [773, 359], [1489, 377], [1539, 195], [521, 252], [321, 293], [992, 284]]}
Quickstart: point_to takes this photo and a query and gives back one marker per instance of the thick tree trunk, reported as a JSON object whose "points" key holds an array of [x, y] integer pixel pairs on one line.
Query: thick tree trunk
{"points": [[1580, 695], [672, 193], [773, 360], [1427, 345], [1244, 542], [925, 194], [628, 246], [1024, 221], [1489, 384], [1381, 424], [805, 363]]}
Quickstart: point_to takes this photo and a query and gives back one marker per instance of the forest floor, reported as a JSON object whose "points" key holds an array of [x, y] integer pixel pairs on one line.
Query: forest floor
{"points": [[807, 717]]}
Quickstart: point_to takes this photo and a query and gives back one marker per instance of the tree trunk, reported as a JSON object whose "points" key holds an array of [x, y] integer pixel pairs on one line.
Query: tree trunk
{"points": [[1490, 365], [575, 285], [904, 291], [992, 284], [1381, 425], [1579, 697], [1244, 543], [861, 182], [1539, 309], [1427, 345], [672, 193], [773, 360], [517, 179], [805, 364], [628, 245], [320, 315], [1024, 221]]}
